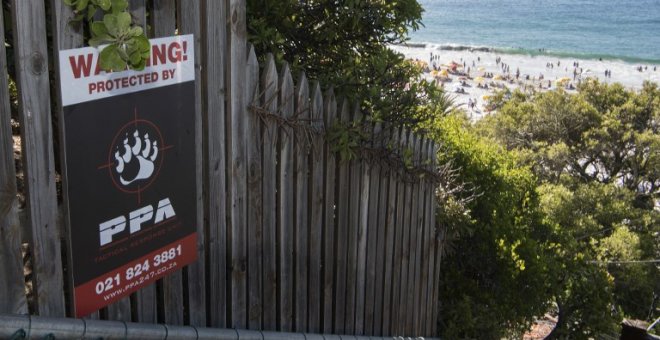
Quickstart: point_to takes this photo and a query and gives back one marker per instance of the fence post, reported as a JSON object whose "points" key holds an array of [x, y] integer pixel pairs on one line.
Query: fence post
{"points": [[377, 230], [419, 249], [389, 289], [236, 41], [316, 212], [302, 203], [12, 297], [402, 310], [213, 64], [190, 23], [438, 233], [342, 233], [355, 231], [329, 213], [286, 218], [430, 239], [31, 55], [255, 237], [269, 98]]}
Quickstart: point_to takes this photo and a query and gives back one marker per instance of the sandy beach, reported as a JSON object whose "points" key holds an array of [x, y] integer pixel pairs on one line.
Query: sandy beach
{"points": [[474, 75]]}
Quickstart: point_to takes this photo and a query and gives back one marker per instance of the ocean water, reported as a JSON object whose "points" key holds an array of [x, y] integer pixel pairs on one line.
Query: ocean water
{"points": [[627, 30]]}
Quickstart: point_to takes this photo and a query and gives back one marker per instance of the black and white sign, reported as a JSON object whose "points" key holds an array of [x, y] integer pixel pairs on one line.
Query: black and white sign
{"points": [[129, 141]]}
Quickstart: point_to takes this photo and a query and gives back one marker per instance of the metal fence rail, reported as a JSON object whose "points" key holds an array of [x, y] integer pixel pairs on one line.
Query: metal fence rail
{"points": [[34, 327]]}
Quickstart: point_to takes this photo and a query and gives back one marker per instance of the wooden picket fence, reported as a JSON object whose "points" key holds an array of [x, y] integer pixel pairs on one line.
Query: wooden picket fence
{"points": [[293, 238]]}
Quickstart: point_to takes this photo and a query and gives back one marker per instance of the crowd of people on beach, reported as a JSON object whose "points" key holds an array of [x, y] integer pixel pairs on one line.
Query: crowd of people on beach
{"points": [[482, 78]]}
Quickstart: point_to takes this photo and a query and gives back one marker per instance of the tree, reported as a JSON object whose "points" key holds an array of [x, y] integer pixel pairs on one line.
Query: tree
{"points": [[596, 155], [344, 44], [498, 275]]}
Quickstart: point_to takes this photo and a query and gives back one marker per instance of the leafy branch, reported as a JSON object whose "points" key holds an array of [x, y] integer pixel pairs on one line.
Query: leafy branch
{"points": [[127, 44]]}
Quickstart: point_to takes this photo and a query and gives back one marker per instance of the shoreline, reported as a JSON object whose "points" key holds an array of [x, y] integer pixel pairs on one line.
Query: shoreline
{"points": [[463, 70]]}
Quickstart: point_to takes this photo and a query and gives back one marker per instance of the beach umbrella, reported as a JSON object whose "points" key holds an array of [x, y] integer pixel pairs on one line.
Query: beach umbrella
{"points": [[434, 73], [444, 73], [498, 77], [563, 81], [479, 79], [481, 69]]}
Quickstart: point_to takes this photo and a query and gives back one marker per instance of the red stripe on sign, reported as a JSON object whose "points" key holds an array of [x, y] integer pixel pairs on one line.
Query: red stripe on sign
{"points": [[123, 281]]}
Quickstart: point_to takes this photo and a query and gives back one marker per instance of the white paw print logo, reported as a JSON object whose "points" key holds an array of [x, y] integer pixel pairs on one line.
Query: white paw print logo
{"points": [[143, 151], [135, 156]]}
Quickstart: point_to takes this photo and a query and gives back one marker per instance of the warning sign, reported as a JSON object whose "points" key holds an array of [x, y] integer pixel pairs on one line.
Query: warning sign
{"points": [[129, 143]]}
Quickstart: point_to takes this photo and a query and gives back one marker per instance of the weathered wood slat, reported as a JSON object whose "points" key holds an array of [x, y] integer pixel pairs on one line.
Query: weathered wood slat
{"points": [[439, 240], [172, 299], [363, 231], [341, 244], [236, 41], [419, 248], [412, 250], [413, 241], [316, 212], [428, 241], [31, 56], [329, 214], [381, 228], [145, 305], [190, 23], [355, 231], [255, 201], [163, 17], [12, 297], [405, 253], [269, 98], [213, 63], [389, 302], [65, 36], [286, 217], [371, 243], [301, 229], [423, 260]]}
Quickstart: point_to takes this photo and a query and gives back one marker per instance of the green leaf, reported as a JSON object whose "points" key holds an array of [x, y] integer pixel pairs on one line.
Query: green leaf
{"points": [[98, 29], [141, 43], [123, 54], [134, 58], [91, 11], [96, 41], [136, 31], [140, 66], [81, 5], [109, 58], [117, 24], [69, 2], [119, 6], [104, 4]]}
